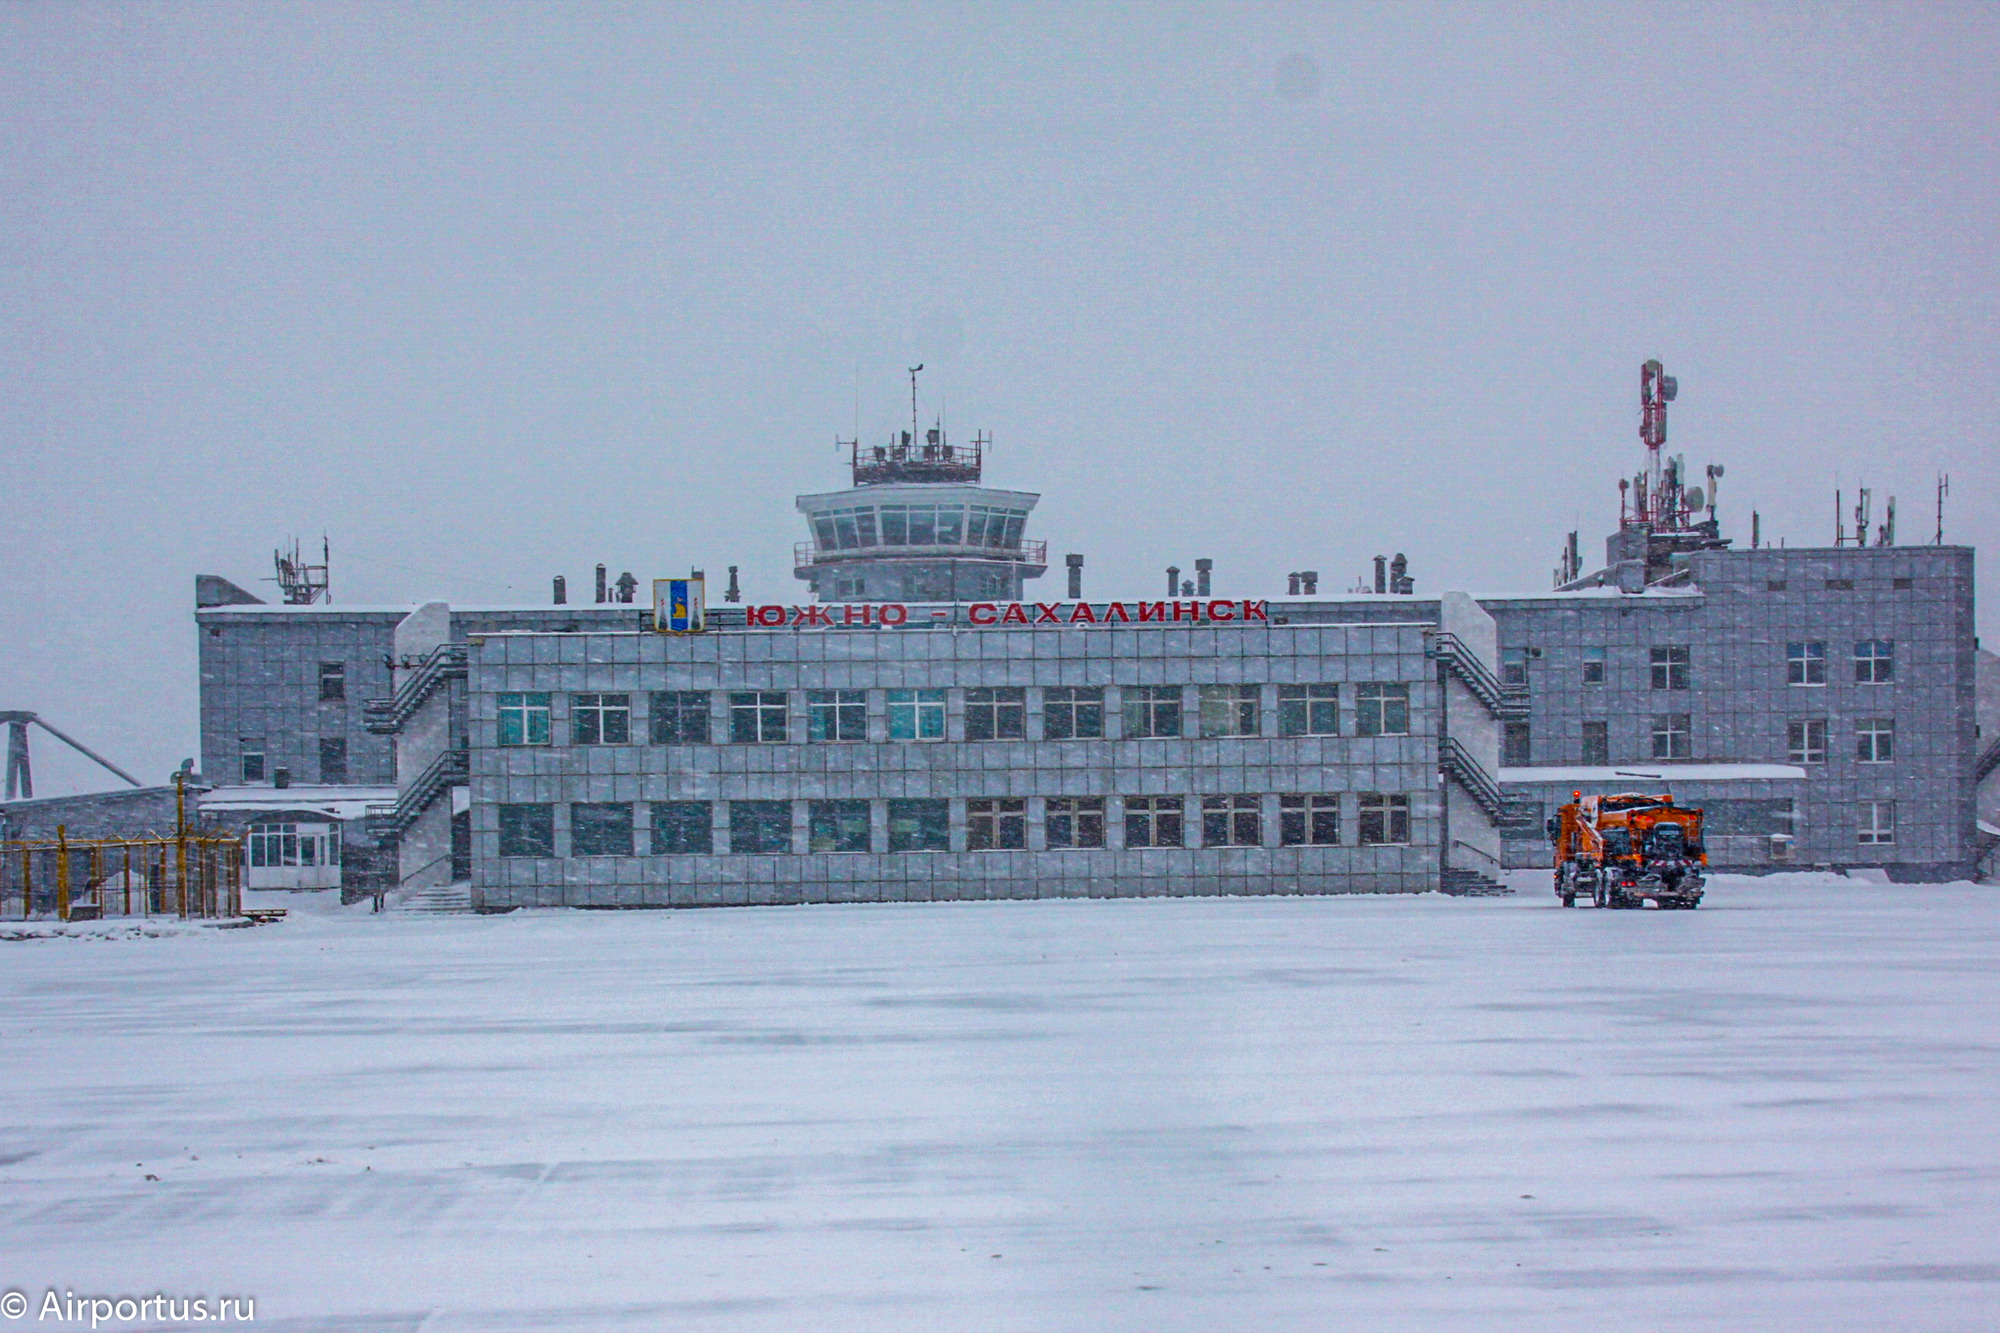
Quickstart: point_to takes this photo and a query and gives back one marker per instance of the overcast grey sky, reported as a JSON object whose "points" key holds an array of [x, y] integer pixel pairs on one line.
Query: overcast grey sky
{"points": [[488, 293]]}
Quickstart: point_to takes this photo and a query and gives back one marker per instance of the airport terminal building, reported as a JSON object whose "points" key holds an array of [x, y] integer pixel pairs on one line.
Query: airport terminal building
{"points": [[918, 730]]}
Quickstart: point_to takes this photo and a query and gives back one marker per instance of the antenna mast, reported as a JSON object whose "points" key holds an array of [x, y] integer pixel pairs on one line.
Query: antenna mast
{"points": [[914, 432]]}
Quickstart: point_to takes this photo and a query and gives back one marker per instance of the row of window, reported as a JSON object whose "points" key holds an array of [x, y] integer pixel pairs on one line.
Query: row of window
{"points": [[1669, 664], [1672, 737], [253, 757], [1069, 712], [605, 828], [864, 526]]}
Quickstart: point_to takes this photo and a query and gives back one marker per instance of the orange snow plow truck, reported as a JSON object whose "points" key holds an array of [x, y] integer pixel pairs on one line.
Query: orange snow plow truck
{"points": [[1622, 851]]}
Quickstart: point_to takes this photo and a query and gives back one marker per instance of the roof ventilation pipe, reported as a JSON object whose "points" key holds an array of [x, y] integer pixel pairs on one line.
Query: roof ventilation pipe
{"points": [[1075, 563], [1202, 569], [1173, 580]]}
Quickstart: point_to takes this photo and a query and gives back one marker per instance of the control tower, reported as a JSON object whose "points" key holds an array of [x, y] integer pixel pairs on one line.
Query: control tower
{"points": [[917, 526]]}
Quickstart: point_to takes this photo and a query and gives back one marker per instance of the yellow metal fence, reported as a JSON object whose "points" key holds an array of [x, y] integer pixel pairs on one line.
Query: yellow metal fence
{"points": [[94, 878]]}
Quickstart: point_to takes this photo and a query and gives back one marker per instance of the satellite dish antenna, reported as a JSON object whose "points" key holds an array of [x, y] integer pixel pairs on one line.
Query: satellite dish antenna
{"points": [[1695, 498]]}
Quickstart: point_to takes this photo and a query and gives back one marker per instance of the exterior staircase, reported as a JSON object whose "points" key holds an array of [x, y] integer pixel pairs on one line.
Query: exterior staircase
{"points": [[1472, 884], [436, 900]]}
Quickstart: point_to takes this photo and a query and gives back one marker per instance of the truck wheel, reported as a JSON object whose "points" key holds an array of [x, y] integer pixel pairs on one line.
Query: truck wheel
{"points": [[1569, 900]]}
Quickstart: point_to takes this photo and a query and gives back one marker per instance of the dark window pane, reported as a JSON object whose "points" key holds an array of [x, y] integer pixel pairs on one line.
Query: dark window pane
{"points": [[600, 829], [682, 826], [527, 830], [919, 826], [760, 826], [837, 826]]}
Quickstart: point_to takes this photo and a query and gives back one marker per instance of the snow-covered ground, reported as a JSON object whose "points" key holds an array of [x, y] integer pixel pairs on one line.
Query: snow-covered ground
{"points": [[1779, 1112]]}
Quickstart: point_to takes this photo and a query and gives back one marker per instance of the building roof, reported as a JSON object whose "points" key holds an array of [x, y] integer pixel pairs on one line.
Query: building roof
{"points": [[341, 803], [1667, 773]]}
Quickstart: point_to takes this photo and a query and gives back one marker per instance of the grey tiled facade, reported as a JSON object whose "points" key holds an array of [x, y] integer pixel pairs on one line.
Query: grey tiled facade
{"points": [[1739, 622], [956, 770]]}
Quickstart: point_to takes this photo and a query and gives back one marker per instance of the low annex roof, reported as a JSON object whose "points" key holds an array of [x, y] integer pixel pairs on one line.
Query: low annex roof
{"points": [[342, 803], [1664, 773]]}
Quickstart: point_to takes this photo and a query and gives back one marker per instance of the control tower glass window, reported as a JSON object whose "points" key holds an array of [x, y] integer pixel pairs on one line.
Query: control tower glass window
{"points": [[680, 717], [600, 719]]}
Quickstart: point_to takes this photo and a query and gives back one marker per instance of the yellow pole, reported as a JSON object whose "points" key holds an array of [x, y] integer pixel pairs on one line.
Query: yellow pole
{"points": [[181, 843], [27, 882], [62, 873], [128, 878]]}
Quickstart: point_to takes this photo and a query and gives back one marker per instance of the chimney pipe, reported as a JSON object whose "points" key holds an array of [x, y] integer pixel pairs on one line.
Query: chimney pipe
{"points": [[735, 593], [281, 777], [1173, 580], [627, 585], [561, 590], [600, 583], [1291, 585], [1381, 574], [1202, 569], [1187, 587], [1075, 563], [1310, 578], [1399, 581]]}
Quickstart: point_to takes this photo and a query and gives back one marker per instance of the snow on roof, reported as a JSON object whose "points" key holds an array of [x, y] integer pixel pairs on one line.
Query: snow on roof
{"points": [[341, 803], [1667, 773]]}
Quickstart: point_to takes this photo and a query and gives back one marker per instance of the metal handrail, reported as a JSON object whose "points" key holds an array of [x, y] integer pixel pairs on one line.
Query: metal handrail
{"points": [[806, 554], [1455, 760], [1989, 759], [1500, 700], [385, 717], [449, 769]]}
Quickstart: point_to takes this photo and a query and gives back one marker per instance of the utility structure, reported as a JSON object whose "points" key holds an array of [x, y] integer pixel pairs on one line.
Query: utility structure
{"points": [[20, 770], [1662, 517], [303, 584]]}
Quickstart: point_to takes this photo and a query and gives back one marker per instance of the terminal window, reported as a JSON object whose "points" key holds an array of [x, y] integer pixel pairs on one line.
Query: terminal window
{"points": [[682, 826], [1805, 740], [1073, 712], [680, 717], [1229, 710], [837, 826], [1232, 821], [600, 828], [600, 719], [1593, 666], [757, 717], [760, 826], [1805, 663], [1673, 736], [1073, 821], [996, 713], [1513, 666], [1152, 710], [1309, 821], [916, 715], [920, 825], [250, 762], [993, 825], [1878, 823], [1382, 820], [1875, 740], [1596, 742], [523, 719], [527, 830], [1514, 747], [1153, 821], [332, 681], [1670, 667], [836, 715], [1381, 709], [1875, 661], [1309, 710]]}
